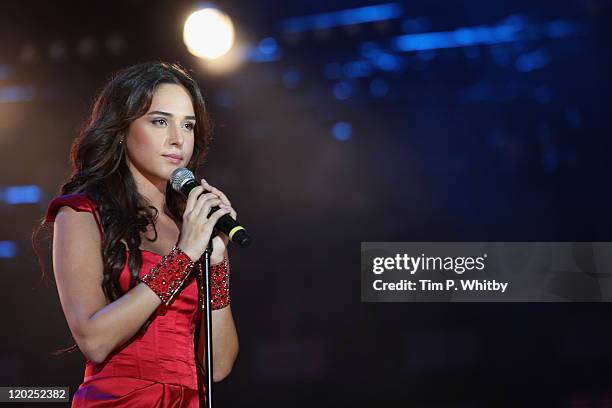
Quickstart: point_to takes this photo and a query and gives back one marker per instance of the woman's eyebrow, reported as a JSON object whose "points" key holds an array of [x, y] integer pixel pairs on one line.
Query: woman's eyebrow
{"points": [[168, 114]]}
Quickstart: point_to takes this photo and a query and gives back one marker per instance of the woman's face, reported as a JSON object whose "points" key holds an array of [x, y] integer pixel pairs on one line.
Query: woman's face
{"points": [[166, 129]]}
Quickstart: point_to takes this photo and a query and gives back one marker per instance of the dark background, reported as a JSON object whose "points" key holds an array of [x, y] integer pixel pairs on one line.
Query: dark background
{"points": [[490, 141]]}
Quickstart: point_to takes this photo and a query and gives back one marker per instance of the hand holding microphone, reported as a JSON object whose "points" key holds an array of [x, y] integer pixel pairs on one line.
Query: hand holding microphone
{"points": [[203, 212]]}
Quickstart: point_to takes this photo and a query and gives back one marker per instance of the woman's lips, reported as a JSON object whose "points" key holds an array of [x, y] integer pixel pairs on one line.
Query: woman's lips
{"points": [[173, 159]]}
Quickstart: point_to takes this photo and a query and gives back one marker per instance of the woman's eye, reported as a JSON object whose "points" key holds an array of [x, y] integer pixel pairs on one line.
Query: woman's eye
{"points": [[190, 126], [159, 121]]}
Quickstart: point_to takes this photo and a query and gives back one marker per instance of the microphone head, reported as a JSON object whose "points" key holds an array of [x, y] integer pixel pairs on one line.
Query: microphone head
{"points": [[179, 177]]}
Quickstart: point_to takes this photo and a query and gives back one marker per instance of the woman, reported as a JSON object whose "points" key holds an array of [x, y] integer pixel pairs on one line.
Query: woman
{"points": [[127, 247]]}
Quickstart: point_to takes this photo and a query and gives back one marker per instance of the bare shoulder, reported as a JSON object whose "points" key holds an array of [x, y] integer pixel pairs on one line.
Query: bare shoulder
{"points": [[68, 217]]}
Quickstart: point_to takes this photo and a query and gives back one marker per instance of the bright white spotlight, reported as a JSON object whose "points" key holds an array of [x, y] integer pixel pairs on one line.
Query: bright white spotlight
{"points": [[208, 33]]}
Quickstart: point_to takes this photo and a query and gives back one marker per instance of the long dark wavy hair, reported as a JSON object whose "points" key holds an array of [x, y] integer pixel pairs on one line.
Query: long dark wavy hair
{"points": [[99, 167]]}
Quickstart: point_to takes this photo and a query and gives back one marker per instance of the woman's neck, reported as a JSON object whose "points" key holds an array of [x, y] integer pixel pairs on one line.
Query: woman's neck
{"points": [[153, 190]]}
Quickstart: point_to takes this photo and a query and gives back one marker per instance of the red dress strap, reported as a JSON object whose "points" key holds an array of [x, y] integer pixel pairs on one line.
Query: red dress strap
{"points": [[78, 202]]}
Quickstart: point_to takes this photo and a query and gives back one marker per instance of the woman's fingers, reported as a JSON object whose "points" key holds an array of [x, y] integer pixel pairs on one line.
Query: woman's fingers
{"points": [[232, 212], [197, 202], [192, 198], [199, 222], [222, 196], [204, 204], [216, 191], [216, 215], [205, 212]]}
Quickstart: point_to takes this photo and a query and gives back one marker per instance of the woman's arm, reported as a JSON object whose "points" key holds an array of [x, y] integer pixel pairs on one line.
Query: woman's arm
{"points": [[97, 327], [225, 342], [224, 339]]}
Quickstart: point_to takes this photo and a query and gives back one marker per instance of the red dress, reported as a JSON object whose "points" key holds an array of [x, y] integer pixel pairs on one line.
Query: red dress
{"points": [[157, 367]]}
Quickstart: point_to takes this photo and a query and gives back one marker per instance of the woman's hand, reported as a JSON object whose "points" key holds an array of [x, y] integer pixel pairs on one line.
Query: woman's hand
{"points": [[198, 226], [221, 240]]}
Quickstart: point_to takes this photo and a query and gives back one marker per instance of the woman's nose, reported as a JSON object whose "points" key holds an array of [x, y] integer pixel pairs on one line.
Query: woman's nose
{"points": [[176, 137]]}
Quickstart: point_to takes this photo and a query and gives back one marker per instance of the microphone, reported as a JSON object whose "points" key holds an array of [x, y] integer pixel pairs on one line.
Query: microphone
{"points": [[183, 181]]}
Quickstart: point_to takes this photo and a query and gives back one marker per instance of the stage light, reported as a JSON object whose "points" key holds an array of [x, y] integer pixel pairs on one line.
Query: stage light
{"points": [[208, 33], [8, 249], [342, 90], [13, 195], [342, 131]]}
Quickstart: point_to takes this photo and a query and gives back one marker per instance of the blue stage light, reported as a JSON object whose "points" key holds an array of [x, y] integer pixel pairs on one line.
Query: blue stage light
{"points": [[20, 194], [342, 90], [268, 46], [8, 249], [342, 131], [358, 15], [532, 61], [357, 69], [379, 87], [17, 93]]}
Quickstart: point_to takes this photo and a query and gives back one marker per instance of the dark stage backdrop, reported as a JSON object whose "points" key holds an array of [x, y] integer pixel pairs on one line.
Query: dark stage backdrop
{"points": [[432, 121]]}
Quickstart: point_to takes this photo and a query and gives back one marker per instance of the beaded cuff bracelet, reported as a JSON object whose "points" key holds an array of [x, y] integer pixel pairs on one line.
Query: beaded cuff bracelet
{"points": [[167, 277], [219, 284]]}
